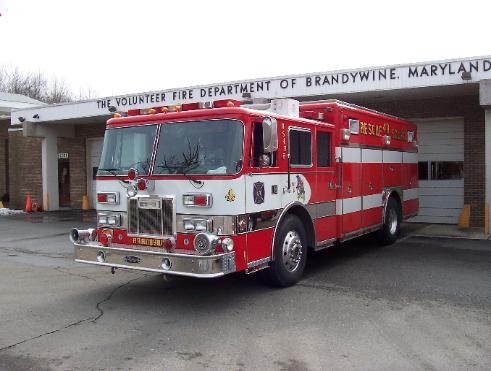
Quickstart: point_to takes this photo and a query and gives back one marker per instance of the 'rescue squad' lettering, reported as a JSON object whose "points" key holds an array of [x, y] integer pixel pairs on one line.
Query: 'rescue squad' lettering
{"points": [[381, 130]]}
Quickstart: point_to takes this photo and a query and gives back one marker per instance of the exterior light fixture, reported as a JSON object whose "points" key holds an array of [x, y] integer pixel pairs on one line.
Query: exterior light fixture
{"points": [[345, 135]]}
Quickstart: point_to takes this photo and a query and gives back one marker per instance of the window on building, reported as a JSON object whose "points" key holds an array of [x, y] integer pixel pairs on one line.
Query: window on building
{"points": [[441, 170], [300, 147], [423, 170], [323, 149], [447, 170]]}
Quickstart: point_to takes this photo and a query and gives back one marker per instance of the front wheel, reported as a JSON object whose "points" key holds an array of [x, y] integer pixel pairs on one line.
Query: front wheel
{"points": [[392, 223], [289, 253]]}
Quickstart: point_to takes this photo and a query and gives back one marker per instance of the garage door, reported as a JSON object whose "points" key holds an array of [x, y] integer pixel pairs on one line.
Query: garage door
{"points": [[441, 170], [94, 151]]}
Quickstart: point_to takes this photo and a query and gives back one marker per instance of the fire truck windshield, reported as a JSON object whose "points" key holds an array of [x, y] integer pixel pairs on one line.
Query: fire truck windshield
{"points": [[200, 147], [126, 148]]}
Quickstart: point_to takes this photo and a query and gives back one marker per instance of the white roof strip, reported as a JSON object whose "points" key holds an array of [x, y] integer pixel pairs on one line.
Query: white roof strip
{"points": [[322, 84]]}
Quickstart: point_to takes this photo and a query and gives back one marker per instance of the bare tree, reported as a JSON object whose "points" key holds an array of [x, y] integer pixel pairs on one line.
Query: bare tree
{"points": [[37, 86]]}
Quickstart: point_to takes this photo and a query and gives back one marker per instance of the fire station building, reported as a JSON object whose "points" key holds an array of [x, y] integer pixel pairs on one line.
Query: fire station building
{"points": [[55, 156]]}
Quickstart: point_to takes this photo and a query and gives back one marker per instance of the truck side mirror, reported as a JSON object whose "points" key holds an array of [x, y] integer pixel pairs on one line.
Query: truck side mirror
{"points": [[270, 135]]}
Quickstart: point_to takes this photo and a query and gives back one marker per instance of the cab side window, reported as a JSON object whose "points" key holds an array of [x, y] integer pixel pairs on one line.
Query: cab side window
{"points": [[257, 146], [323, 149], [300, 147], [258, 157]]}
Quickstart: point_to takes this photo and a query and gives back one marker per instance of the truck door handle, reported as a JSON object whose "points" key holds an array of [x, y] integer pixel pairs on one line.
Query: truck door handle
{"points": [[331, 185]]}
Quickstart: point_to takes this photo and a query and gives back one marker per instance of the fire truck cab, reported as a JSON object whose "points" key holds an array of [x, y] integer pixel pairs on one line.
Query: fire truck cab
{"points": [[208, 189]]}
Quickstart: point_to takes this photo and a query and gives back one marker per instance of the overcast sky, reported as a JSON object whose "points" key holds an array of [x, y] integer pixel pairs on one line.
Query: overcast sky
{"points": [[119, 47]]}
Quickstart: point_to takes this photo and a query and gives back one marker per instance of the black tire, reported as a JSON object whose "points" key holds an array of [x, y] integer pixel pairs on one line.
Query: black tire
{"points": [[391, 229], [289, 253]]}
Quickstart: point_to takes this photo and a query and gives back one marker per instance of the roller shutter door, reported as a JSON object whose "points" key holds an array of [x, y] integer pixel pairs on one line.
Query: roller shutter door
{"points": [[441, 176]]}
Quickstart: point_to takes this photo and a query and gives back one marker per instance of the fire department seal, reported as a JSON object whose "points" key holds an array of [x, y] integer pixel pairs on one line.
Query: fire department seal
{"points": [[258, 190]]}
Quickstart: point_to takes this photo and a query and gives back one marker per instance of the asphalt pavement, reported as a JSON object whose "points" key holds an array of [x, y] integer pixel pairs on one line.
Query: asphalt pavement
{"points": [[422, 303]]}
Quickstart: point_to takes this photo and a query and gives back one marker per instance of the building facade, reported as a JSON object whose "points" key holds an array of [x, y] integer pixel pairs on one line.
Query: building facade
{"points": [[56, 155], [9, 102]]}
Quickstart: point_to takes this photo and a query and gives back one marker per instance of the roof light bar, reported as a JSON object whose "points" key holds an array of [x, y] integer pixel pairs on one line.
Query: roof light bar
{"points": [[185, 107], [226, 103]]}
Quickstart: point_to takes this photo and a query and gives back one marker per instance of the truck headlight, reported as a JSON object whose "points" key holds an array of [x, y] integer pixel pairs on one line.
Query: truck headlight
{"points": [[114, 220], [198, 225], [108, 219], [227, 244], [220, 225], [102, 219]]}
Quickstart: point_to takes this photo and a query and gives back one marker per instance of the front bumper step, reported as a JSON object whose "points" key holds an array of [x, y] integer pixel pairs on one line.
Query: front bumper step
{"points": [[152, 261]]}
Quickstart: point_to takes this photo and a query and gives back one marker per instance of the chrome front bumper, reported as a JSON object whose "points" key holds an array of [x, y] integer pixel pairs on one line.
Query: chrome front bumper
{"points": [[151, 261]]}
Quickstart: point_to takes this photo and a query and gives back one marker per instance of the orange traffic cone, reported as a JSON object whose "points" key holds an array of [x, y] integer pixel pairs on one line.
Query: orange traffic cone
{"points": [[28, 208]]}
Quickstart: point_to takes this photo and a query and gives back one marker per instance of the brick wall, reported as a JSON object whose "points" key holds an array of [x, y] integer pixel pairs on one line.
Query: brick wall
{"points": [[25, 165], [467, 107], [90, 131], [76, 149], [3, 156], [25, 169]]}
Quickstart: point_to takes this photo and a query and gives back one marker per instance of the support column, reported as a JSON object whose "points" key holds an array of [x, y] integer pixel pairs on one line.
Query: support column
{"points": [[487, 162], [49, 153], [485, 101], [49, 157]]}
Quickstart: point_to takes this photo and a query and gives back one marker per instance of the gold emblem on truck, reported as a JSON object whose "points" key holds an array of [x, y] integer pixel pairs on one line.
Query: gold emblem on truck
{"points": [[230, 196]]}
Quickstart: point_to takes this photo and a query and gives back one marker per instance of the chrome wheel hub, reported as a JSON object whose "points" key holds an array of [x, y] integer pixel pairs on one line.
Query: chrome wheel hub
{"points": [[292, 251]]}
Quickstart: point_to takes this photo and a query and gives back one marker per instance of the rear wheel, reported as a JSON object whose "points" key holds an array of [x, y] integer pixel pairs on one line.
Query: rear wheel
{"points": [[289, 253], [392, 223]]}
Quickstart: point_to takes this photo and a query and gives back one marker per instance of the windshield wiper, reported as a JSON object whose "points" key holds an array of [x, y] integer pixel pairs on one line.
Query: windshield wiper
{"points": [[110, 170], [144, 164], [113, 172], [190, 167], [182, 169]]}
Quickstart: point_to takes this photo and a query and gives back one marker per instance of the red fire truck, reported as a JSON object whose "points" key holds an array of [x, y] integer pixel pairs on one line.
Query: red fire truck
{"points": [[208, 189]]}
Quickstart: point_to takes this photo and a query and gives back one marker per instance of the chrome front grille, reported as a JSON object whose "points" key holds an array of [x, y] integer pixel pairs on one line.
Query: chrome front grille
{"points": [[151, 216], [133, 216]]}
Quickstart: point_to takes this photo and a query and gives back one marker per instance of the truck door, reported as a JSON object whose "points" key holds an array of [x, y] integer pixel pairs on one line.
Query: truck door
{"points": [[349, 191], [371, 187], [262, 198], [325, 193]]}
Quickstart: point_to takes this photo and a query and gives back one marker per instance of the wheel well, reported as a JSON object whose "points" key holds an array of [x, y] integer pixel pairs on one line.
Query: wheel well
{"points": [[306, 220]]}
